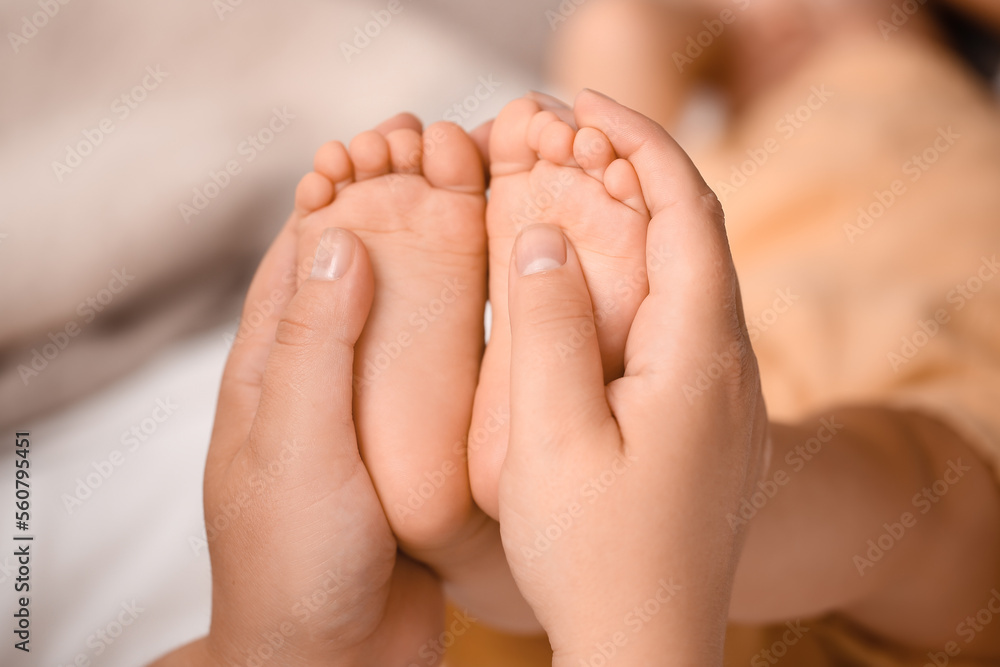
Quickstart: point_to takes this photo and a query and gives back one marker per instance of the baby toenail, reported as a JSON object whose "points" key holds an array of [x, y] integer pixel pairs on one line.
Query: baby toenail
{"points": [[539, 248]]}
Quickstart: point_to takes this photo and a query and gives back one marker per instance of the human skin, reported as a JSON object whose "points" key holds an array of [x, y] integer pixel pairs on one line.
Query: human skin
{"points": [[305, 568], [799, 557], [416, 198], [288, 382], [680, 468], [288, 387]]}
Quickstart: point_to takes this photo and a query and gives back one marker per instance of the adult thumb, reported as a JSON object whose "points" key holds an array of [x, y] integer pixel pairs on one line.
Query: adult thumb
{"points": [[557, 380], [306, 392]]}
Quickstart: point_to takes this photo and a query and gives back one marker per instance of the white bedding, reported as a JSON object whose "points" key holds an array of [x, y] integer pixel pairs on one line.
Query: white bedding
{"points": [[108, 536]]}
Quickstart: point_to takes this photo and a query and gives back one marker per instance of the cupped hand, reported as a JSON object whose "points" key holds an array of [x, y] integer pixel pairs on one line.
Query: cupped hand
{"points": [[305, 569], [613, 499]]}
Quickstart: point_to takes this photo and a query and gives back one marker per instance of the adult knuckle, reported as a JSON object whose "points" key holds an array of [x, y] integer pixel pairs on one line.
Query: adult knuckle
{"points": [[556, 313], [295, 332]]}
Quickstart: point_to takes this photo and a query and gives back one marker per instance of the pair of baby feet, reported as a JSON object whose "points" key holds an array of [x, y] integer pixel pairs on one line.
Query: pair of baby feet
{"points": [[431, 406]]}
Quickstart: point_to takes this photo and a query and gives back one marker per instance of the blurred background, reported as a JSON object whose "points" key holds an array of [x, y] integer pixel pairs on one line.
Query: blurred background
{"points": [[150, 151]]}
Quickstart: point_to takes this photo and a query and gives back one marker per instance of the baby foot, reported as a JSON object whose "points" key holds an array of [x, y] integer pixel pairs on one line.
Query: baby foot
{"points": [[546, 171], [416, 199]]}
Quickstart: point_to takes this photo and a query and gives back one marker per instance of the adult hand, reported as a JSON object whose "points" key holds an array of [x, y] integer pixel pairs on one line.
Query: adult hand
{"points": [[305, 569], [613, 499]]}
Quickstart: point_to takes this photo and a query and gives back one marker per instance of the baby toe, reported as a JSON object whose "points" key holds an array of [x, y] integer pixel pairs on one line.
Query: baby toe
{"points": [[556, 144], [370, 154], [405, 151], [451, 159], [313, 193], [334, 162], [593, 152], [510, 151], [623, 184]]}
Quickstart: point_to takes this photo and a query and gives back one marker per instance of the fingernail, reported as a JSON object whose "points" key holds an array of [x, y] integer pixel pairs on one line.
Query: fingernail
{"points": [[600, 94], [539, 248], [547, 101], [334, 255]]}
